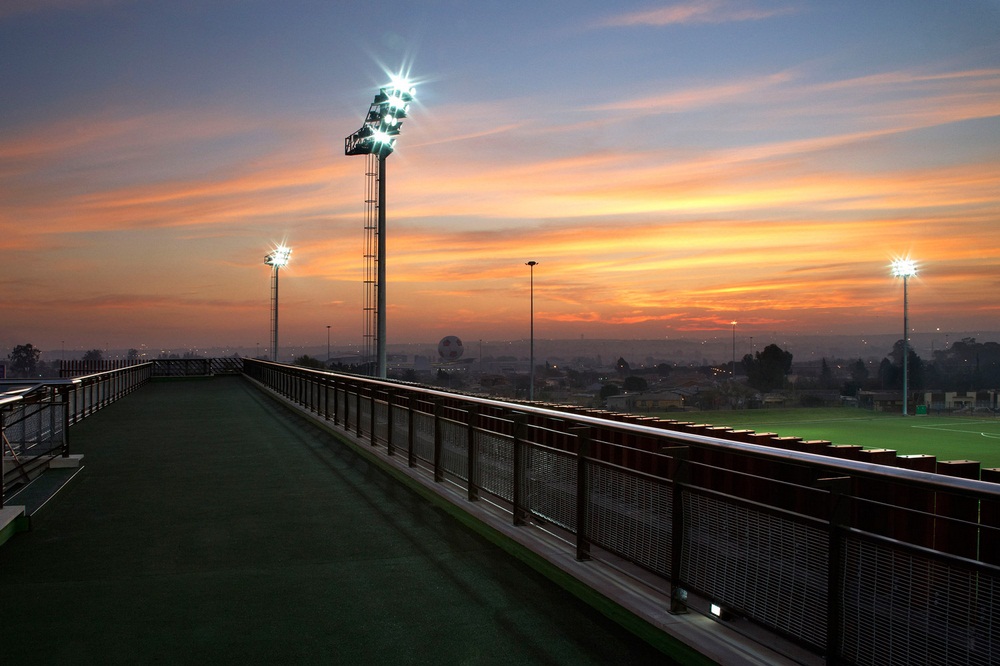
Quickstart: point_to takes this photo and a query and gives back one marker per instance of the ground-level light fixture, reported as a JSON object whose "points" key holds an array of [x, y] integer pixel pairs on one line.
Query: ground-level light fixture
{"points": [[276, 259], [905, 268], [377, 139]]}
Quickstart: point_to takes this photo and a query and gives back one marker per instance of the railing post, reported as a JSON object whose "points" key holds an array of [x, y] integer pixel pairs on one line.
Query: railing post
{"points": [[681, 476], [64, 396], [438, 473], [840, 488], [389, 448], [582, 492], [411, 455], [519, 481], [372, 420], [472, 455], [357, 409]]}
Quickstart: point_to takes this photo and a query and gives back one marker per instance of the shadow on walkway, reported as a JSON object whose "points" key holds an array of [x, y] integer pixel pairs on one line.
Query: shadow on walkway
{"points": [[211, 525]]}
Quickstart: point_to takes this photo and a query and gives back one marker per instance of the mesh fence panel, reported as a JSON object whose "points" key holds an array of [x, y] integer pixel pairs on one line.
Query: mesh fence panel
{"points": [[631, 516], [423, 436], [400, 427], [765, 567], [901, 607], [495, 457], [455, 448], [364, 416], [381, 421], [551, 486]]}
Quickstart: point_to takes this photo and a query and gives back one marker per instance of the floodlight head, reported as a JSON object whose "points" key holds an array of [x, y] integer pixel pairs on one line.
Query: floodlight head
{"points": [[278, 257], [904, 268]]}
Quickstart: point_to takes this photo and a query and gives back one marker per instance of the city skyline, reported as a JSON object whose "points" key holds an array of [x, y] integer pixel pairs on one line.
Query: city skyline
{"points": [[672, 167]]}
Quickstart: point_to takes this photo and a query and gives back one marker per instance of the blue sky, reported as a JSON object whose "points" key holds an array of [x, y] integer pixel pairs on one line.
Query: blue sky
{"points": [[672, 166]]}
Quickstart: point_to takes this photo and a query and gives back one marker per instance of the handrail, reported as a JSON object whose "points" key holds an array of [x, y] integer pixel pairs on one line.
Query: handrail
{"points": [[810, 548]]}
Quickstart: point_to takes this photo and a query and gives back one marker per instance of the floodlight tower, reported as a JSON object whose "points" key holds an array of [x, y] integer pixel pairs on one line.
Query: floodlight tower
{"points": [[905, 268], [276, 259], [377, 139], [531, 354]]}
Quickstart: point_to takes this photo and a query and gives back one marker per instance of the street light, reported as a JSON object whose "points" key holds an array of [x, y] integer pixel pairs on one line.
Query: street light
{"points": [[734, 348], [377, 139], [531, 356], [277, 258], [905, 268], [328, 346]]}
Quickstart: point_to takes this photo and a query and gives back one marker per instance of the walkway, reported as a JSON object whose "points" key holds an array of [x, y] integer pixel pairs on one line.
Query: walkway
{"points": [[211, 525]]}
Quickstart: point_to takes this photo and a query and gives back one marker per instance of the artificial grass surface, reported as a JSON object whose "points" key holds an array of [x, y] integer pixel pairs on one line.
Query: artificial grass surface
{"points": [[947, 437]]}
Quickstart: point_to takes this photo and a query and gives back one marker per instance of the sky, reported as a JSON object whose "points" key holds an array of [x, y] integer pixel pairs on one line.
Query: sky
{"points": [[671, 166]]}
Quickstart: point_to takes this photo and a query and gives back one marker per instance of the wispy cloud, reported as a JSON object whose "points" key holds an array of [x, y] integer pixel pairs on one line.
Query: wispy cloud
{"points": [[698, 11]]}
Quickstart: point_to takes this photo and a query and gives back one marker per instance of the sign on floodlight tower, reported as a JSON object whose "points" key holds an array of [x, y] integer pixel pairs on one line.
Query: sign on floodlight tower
{"points": [[277, 258], [377, 139]]}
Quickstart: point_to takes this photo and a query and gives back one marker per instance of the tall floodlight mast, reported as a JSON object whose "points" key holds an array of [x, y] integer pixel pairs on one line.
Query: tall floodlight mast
{"points": [[276, 259], [377, 139], [905, 268]]}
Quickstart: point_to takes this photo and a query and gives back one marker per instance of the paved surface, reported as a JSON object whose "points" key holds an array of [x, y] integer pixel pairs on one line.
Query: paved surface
{"points": [[211, 525]]}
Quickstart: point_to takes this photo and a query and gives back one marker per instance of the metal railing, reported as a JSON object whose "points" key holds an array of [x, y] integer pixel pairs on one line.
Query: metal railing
{"points": [[855, 562], [35, 416]]}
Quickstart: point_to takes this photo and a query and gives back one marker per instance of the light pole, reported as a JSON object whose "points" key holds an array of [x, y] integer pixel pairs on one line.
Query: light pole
{"points": [[377, 138], [734, 349], [276, 259], [328, 346], [531, 344], [905, 268]]}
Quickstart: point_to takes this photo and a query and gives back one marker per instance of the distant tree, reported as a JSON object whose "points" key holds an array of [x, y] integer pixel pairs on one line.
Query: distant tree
{"points": [[24, 360], [633, 383], [307, 361], [664, 370], [93, 355], [609, 390], [766, 369], [859, 375], [826, 375], [623, 366], [887, 374], [133, 355]]}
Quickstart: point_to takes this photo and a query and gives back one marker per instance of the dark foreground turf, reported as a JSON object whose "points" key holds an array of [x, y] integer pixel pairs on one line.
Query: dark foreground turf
{"points": [[212, 526]]}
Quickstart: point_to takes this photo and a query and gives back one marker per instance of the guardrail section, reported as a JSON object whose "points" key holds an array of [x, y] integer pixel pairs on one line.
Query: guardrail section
{"points": [[852, 562]]}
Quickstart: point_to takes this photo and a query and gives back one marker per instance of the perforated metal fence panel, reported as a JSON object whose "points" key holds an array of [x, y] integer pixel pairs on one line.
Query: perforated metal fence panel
{"points": [[495, 454], [631, 516], [551, 486], [761, 565], [903, 607]]}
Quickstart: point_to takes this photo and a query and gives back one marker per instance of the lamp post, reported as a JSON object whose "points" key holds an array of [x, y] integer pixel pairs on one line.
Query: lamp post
{"points": [[276, 259], [734, 349], [328, 346], [531, 344], [905, 268], [377, 138]]}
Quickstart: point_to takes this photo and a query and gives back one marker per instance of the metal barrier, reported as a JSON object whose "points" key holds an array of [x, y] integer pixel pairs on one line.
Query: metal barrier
{"points": [[35, 417], [857, 563]]}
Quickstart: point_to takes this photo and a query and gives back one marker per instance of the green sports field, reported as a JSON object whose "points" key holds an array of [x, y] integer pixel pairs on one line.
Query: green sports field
{"points": [[947, 437]]}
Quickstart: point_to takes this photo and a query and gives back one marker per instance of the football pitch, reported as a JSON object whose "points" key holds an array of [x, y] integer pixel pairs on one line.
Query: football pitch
{"points": [[947, 437]]}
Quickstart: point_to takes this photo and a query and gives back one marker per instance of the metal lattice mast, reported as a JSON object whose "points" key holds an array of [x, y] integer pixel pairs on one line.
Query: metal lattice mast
{"points": [[377, 139], [369, 356]]}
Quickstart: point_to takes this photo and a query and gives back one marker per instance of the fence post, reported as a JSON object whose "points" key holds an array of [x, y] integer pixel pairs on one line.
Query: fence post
{"points": [[389, 396], [411, 456], [472, 422], [438, 473], [582, 492], [357, 409], [680, 478], [840, 488], [520, 426]]}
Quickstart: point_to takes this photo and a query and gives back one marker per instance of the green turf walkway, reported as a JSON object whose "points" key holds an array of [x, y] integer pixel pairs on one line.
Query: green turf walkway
{"points": [[210, 525]]}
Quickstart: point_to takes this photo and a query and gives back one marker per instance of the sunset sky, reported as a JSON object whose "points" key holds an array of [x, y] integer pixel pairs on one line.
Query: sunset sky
{"points": [[671, 166]]}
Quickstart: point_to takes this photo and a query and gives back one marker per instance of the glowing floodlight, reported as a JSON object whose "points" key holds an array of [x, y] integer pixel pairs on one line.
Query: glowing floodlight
{"points": [[904, 268], [278, 257]]}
